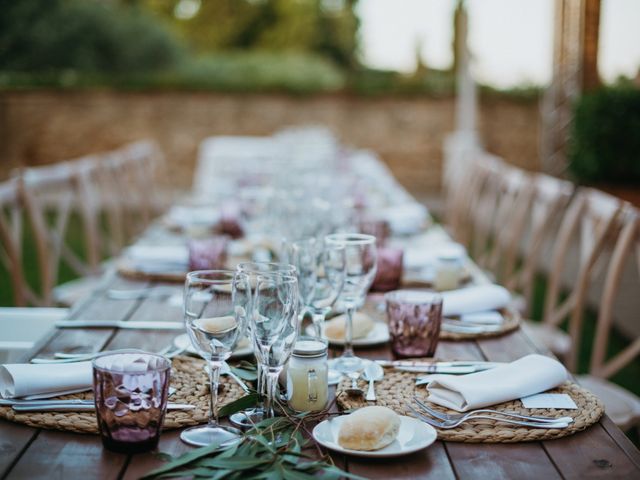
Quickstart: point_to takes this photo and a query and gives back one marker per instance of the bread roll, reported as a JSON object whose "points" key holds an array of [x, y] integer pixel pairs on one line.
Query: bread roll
{"points": [[335, 328], [369, 428]]}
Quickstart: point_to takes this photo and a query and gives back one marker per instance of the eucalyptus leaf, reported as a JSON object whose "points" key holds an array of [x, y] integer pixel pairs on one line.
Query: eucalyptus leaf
{"points": [[248, 401], [184, 460], [248, 375]]}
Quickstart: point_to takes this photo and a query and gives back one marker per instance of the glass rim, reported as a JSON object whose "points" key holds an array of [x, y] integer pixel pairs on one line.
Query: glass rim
{"points": [[350, 238], [200, 276], [413, 297], [277, 267], [112, 353]]}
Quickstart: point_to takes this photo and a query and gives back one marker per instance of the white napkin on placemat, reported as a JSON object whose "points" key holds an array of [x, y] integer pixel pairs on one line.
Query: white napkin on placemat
{"points": [[526, 376], [178, 254], [479, 298], [26, 379]]}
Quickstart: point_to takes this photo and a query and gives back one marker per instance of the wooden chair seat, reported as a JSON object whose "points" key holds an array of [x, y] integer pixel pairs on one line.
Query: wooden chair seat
{"points": [[550, 337], [622, 406]]}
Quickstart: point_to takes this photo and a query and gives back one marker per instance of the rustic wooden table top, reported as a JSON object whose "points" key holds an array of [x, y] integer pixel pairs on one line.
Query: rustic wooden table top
{"points": [[25, 452]]}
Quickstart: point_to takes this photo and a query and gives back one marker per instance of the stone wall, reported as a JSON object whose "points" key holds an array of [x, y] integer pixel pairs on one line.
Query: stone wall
{"points": [[43, 127]]}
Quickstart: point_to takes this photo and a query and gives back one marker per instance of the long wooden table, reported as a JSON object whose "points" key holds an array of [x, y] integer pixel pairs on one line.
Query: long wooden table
{"points": [[25, 452]]}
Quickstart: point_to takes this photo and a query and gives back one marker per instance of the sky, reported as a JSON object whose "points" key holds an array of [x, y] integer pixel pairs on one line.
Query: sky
{"points": [[511, 40]]}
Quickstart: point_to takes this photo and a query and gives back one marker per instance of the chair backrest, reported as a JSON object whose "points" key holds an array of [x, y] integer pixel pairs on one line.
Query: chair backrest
{"points": [[55, 196], [12, 232], [627, 248], [592, 220], [536, 219]]}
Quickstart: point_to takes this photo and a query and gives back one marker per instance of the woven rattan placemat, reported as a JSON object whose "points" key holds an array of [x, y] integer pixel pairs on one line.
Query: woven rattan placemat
{"points": [[398, 388], [187, 377]]}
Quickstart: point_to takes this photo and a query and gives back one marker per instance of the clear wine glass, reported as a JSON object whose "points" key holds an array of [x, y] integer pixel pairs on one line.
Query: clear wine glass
{"points": [[361, 264], [274, 310], [321, 274], [251, 416], [216, 303]]}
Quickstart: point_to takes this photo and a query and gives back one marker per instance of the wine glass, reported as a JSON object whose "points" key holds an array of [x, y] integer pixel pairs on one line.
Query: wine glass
{"points": [[251, 416], [278, 356], [274, 326], [321, 273], [361, 264], [216, 303]]}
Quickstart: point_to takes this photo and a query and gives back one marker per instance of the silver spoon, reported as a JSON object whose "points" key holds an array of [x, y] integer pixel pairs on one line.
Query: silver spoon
{"points": [[372, 373]]}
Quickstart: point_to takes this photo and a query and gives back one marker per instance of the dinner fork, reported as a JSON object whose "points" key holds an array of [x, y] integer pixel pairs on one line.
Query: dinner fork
{"points": [[447, 424], [457, 416]]}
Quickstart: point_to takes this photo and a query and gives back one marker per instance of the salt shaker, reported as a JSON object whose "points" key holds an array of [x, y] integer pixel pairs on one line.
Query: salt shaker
{"points": [[307, 375]]}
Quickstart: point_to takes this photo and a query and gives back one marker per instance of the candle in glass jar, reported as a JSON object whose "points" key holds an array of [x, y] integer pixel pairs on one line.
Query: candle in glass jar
{"points": [[449, 268], [307, 375]]}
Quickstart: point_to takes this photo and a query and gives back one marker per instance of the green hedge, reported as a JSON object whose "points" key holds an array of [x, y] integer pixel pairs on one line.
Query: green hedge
{"points": [[605, 137]]}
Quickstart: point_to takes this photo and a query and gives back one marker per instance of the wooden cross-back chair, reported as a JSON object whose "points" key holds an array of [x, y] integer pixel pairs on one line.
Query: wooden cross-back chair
{"points": [[54, 196], [621, 405], [498, 239], [537, 219], [12, 225], [139, 168], [590, 224], [470, 208]]}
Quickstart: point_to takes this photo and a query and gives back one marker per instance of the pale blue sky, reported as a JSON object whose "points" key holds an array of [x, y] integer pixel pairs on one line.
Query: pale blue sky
{"points": [[511, 40]]}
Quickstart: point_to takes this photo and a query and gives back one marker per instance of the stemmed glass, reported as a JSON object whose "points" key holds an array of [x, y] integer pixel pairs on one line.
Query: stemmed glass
{"points": [[361, 264], [251, 416], [216, 303], [277, 296], [274, 326], [321, 273]]}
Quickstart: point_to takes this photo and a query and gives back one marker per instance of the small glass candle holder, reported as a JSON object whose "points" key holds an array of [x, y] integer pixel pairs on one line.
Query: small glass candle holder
{"points": [[130, 389], [449, 267], [414, 322], [390, 269], [307, 375]]}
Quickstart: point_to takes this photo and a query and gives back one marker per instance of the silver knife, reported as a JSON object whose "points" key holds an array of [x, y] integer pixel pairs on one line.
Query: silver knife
{"points": [[151, 325], [452, 370], [81, 407], [434, 363]]}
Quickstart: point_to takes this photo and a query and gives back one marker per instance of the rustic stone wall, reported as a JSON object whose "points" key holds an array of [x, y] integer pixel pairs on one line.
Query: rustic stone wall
{"points": [[43, 127]]}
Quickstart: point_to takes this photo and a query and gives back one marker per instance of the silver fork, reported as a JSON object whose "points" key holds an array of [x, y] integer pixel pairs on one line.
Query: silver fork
{"points": [[457, 416], [447, 424]]}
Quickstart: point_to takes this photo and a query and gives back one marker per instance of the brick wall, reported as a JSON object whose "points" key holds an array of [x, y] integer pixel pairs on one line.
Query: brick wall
{"points": [[42, 127]]}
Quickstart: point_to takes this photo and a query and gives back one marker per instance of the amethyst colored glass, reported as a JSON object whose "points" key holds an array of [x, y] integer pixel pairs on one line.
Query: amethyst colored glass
{"points": [[377, 227], [208, 253], [130, 389], [389, 274], [414, 322]]}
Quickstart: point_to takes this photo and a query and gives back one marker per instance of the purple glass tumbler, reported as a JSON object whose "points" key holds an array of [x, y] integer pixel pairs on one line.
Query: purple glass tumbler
{"points": [[414, 322], [130, 389]]}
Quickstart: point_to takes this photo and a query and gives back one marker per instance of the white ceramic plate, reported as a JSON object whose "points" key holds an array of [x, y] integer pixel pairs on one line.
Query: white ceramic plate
{"points": [[182, 341], [378, 334], [414, 435]]}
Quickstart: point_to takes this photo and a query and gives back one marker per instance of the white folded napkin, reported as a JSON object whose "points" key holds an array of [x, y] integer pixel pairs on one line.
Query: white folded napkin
{"points": [[427, 256], [26, 379], [526, 376], [406, 218], [193, 215], [479, 298], [178, 254]]}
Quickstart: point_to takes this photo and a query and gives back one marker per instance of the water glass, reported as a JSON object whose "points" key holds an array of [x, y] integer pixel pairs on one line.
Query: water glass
{"points": [[390, 269], [130, 389], [414, 322], [216, 303]]}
